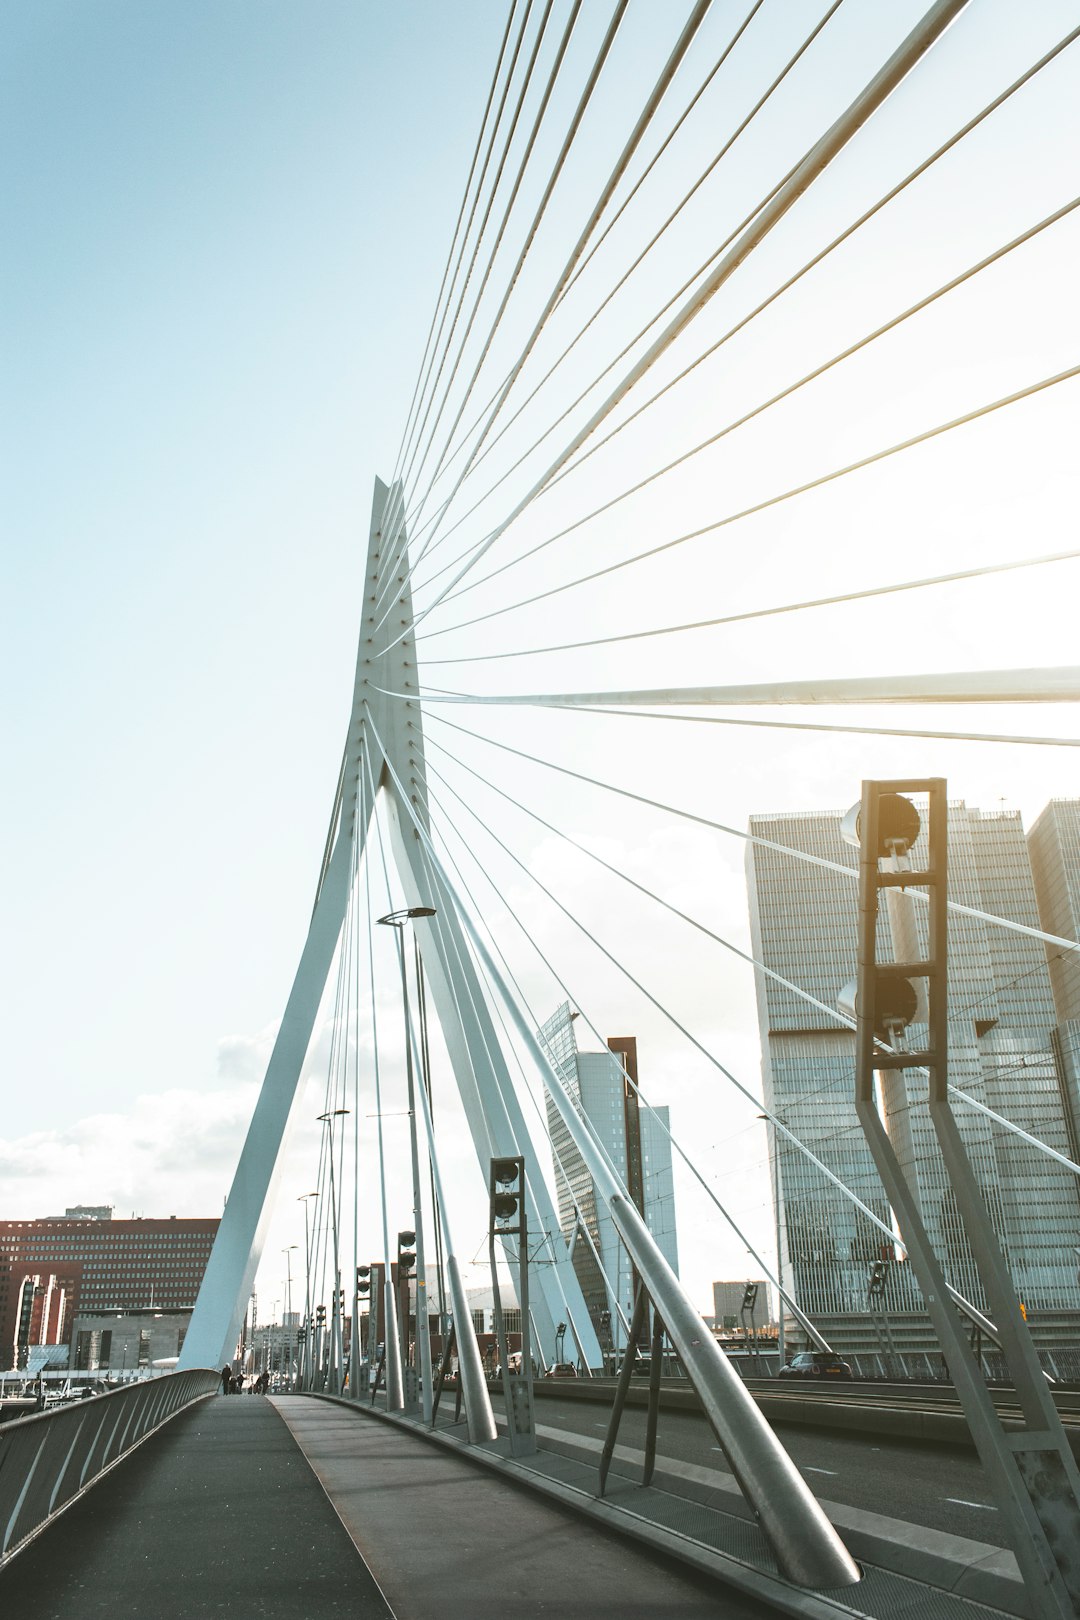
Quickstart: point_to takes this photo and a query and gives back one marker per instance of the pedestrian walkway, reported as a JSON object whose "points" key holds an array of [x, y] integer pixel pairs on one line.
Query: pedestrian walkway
{"points": [[298, 1509], [448, 1541], [217, 1514]]}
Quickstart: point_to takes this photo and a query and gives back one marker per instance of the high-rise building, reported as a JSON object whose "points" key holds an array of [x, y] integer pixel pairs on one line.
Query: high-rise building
{"points": [[1004, 1050], [1054, 846], [728, 1300], [55, 1268], [636, 1141]]}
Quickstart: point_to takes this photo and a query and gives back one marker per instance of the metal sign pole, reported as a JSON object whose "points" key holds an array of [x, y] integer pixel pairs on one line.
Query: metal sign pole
{"points": [[1032, 1472]]}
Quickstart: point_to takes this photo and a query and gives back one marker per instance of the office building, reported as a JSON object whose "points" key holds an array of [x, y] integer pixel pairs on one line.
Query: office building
{"points": [[728, 1302], [1005, 1051], [60, 1267], [636, 1139]]}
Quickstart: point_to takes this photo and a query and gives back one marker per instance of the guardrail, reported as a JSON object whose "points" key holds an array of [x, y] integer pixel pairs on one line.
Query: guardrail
{"points": [[50, 1459]]}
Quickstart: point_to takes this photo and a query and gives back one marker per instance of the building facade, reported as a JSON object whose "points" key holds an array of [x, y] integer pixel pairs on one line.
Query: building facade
{"points": [[636, 1140], [1005, 1051], [61, 1267]]}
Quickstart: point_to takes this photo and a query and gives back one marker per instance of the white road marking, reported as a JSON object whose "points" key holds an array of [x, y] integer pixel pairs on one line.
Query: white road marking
{"points": [[987, 1507], [810, 1470]]}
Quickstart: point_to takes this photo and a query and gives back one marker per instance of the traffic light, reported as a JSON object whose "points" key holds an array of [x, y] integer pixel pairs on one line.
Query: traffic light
{"points": [[363, 1282], [406, 1253], [320, 1315], [507, 1189], [878, 1278], [749, 1299], [340, 1297], [301, 1336]]}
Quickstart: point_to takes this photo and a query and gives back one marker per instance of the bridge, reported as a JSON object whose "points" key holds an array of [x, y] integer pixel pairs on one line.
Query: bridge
{"points": [[549, 456]]}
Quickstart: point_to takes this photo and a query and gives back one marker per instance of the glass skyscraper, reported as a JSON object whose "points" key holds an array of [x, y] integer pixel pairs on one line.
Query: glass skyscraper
{"points": [[637, 1143], [1006, 1051]]}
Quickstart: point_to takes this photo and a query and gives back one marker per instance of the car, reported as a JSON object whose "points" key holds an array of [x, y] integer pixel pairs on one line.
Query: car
{"points": [[561, 1369], [816, 1364]]}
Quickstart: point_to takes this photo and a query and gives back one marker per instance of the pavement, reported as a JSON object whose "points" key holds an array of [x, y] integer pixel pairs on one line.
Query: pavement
{"points": [[288, 1507], [216, 1514], [445, 1539]]}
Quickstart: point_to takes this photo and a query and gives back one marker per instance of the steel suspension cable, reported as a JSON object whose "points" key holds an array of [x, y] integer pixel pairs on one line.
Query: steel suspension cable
{"points": [[492, 972], [523, 163], [751, 838], [421, 380], [630, 145], [421, 424], [1016, 397], [512, 980], [510, 1046], [850, 230], [902, 61], [624, 278], [775, 399], [370, 816], [984, 570], [755, 7], [831, 1012]]}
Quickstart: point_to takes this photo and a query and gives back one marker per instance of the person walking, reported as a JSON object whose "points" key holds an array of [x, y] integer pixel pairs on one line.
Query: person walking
{"points": [[226, 1381]]}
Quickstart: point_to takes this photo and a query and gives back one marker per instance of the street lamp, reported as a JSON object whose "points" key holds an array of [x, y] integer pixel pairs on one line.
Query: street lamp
{"points": [[335, 1317], [305, 1361], [397, 920]]}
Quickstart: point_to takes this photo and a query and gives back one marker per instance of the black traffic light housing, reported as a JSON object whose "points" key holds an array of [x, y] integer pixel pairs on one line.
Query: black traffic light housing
{"points": [[506, 1187], [363, 1282], [406, 1254]]}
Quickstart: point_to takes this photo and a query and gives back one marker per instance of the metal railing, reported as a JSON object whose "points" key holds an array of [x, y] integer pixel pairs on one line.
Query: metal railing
{"points": [[49, 1459]]}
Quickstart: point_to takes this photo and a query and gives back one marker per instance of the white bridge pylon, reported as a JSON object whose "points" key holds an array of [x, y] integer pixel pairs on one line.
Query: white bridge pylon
{"points": [[384, 753], [385, 747]]}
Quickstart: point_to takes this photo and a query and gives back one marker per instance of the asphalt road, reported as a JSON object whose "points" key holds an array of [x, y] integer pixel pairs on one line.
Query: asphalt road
{"points": [[938, 1486]]}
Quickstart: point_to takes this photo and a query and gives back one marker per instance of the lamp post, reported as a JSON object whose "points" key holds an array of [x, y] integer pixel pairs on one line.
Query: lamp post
{"points": [[288, 1313], [305, 1360], [397, 920], [334, 1371]]}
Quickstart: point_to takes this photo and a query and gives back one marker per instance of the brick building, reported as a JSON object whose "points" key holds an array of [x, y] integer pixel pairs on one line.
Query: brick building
{"points": [[80, 1263]]}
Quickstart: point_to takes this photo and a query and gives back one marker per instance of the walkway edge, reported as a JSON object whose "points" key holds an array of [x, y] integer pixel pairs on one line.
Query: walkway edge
{"points": [[741, 1577], [935, 1558]]}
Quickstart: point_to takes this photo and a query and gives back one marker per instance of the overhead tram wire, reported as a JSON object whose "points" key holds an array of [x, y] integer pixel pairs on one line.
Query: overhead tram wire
{"points": [[747, 837], [831, 1012], [975, 415], [421, 379], [817, 259], [624, 278], [843, 129], [871, 592], [630, 145], [784, 393], [420, 424]]}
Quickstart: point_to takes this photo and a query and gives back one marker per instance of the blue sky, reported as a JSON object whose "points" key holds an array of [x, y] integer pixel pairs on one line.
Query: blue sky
{"points": [[226, 226]]}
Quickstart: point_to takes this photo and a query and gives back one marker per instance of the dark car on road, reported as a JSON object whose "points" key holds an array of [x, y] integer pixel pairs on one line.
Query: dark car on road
{"points": [[816, 1364]]}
